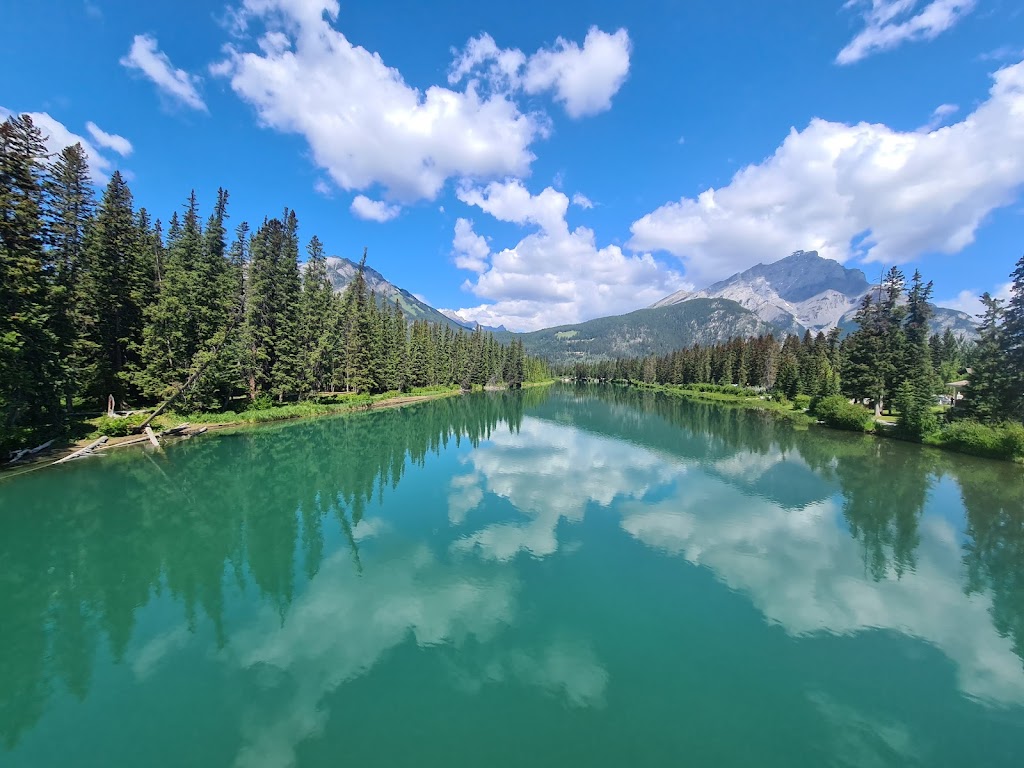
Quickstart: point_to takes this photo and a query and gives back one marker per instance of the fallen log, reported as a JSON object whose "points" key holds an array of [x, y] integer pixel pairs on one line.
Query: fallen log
{"points": [[201, 360], [133, 441], [21, 454], [174, 430], [152, 437], [83, 451]]}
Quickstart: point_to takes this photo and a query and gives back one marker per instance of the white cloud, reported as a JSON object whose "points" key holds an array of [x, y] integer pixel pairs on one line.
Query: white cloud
{"points": [[373, 210], [57, 136], [364, 124], [146, 57], [890, 23], [555, 275], [469, 249], [322, 188], [847, 190], [550, 473], [939, 116], [796, 563], [582, 200], [118, 144], [969, 301], [583, 79]]}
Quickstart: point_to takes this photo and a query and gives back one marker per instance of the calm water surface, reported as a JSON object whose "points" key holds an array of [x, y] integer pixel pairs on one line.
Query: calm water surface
{"points": [[588, 577]]}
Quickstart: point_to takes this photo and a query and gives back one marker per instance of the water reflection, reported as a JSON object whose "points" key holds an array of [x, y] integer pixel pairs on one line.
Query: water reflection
{"points": [[796, 524], [822, 533]]}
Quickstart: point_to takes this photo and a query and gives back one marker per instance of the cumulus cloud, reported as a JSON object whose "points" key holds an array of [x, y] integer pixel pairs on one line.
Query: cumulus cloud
{"points": [[562, 473], [554, 275], [583, 79], [890, 23], [56, 136], [118, 144], [861, 190], [969, 301], [178, 84], [469, 249], [373, 210], [364, 124]]}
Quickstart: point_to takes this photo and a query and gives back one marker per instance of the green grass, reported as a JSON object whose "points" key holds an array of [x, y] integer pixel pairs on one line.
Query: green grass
{"points": [[737, 397], [303, 410]]}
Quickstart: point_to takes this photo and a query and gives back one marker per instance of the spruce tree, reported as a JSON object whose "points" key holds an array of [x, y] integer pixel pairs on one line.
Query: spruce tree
{"points": [[316, 313], [113, 291], [984, 399], [1013, 345], [30, 372], [72, 207]]}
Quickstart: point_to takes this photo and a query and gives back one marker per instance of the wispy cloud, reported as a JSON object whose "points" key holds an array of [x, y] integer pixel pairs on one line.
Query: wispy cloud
{"points": [[146, 57], [119, 144], [890, 23]]}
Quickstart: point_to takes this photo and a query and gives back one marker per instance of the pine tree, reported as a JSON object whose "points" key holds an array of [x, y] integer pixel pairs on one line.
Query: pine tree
{"points": [[1013, 345], [915, 394], [30, 372], [316, 313], [271, 323], [113, 289], [874, 354], [985, 396], [72, 207]]}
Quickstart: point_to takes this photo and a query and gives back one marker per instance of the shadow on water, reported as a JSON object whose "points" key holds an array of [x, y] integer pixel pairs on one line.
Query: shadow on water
{"points": [[83, 549]]}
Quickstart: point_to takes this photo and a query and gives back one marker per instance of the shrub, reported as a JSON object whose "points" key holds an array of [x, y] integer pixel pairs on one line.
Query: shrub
{"points": [[838, 412], [113, 426], [801, 402], [1003, 441], [261, 403]]}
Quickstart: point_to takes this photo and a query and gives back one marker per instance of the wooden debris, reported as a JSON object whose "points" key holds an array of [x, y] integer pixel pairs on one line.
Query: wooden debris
{"points": [[152, 437], [83, 451], [174, 430], [19, 455]]}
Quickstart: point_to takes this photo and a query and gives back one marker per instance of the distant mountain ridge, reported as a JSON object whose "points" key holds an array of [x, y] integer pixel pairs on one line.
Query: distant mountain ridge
{"points": [[806, 292], [341, 272], [654, 330]]}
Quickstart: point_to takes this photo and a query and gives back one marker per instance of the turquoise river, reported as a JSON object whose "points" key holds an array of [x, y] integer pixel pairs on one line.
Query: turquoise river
{"points": [[558, 577]]}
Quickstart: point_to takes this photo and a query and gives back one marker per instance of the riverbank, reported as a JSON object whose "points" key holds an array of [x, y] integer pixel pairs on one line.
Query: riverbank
{"points": [[223, 420], [1002, 443], [736, 400], [121, 432]]}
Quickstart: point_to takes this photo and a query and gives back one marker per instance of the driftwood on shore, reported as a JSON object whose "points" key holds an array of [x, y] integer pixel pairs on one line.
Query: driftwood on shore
{"points": [[83, 451], [24, 452]]}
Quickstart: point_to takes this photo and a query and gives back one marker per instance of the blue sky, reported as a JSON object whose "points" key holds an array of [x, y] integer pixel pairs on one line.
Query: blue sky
{"points": [[548, 162]]}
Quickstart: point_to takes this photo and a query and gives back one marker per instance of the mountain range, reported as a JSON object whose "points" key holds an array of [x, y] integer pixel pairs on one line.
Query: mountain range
{"points": [[806, 292], [802, 292], [341, 271]]}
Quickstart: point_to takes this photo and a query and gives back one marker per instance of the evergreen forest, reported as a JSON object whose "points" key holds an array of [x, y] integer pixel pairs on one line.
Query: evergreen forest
{"points": [[99, 299]]}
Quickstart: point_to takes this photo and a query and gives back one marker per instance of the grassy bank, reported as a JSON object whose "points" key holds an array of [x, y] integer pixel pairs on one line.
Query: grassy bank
{"points": [[1004, 442], [732, 396], [336, 404]]}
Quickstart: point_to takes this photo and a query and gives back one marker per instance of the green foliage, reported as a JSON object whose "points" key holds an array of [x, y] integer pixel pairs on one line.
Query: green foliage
{"points": [[261, 402], [996, 441], [838, 412], [117, 426], [801, 402]]}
